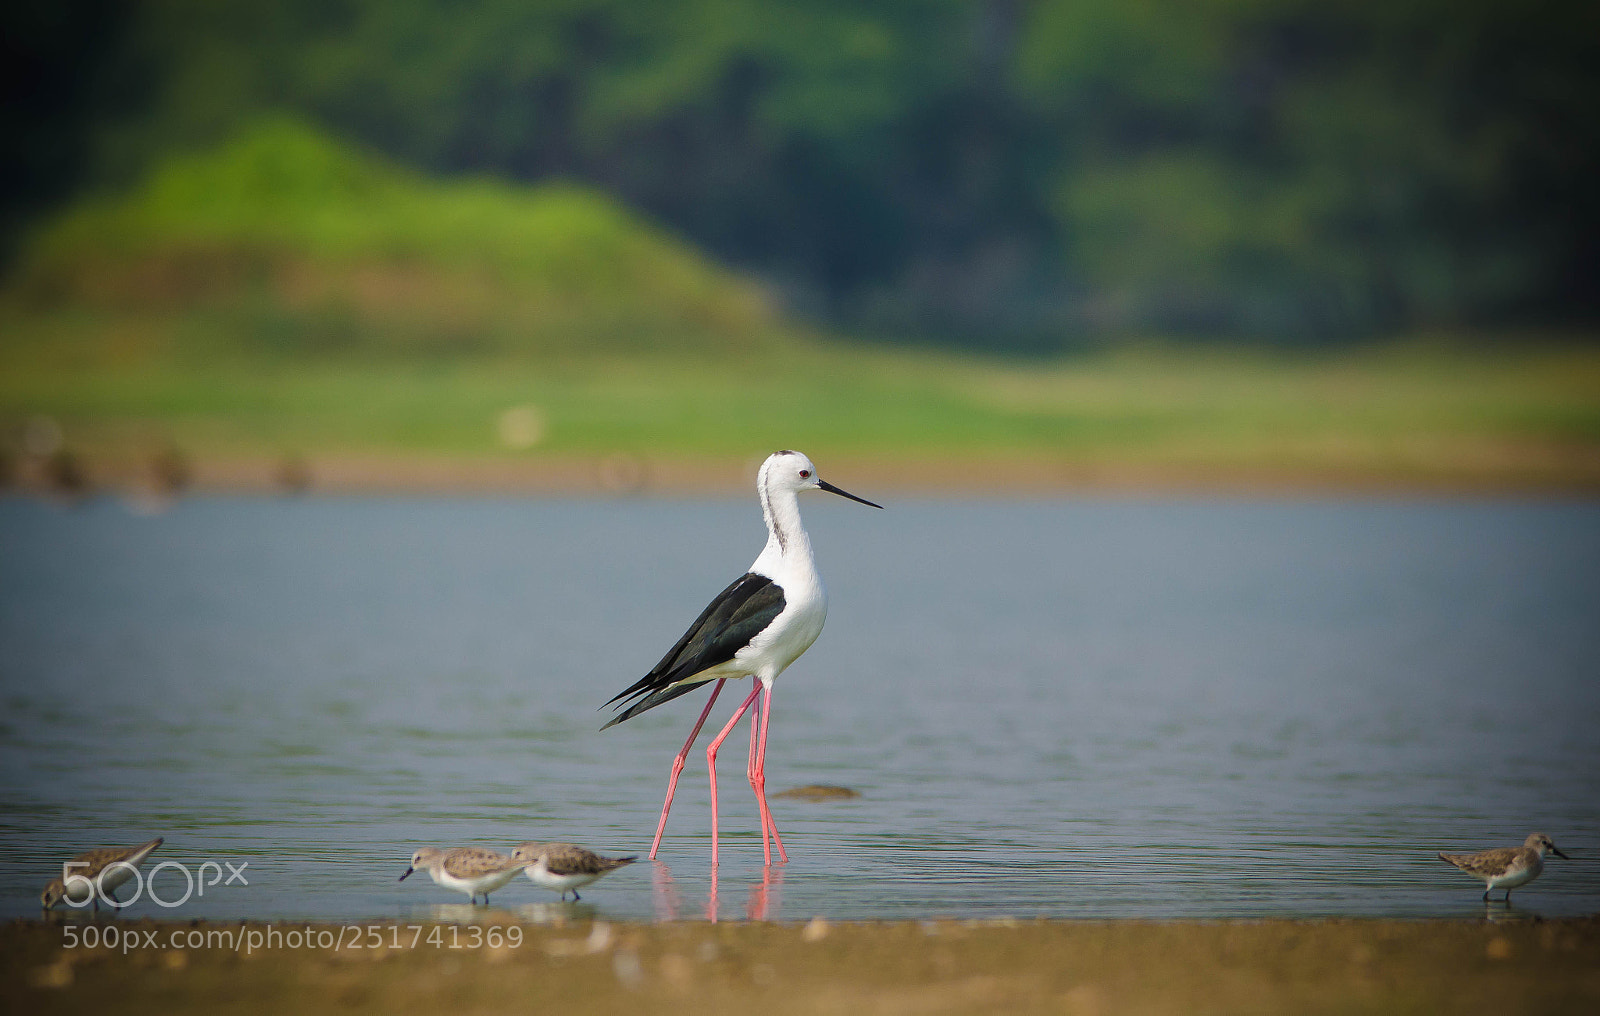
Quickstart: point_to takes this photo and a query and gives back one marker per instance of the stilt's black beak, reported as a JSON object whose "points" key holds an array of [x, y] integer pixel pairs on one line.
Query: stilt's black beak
{"points": [[830, 488], [1557, 851], [408, 872]]}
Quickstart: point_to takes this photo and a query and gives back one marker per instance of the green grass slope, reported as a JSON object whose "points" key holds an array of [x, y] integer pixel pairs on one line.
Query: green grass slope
{"points": [[286, 295], [287, 241]]}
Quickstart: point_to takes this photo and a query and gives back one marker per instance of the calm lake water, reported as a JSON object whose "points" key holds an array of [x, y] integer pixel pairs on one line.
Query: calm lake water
{"points": [[1072, 708]]}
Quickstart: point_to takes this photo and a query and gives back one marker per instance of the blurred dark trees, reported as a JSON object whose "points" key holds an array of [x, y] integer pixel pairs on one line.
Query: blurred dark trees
{"points": [[1001, 173]]}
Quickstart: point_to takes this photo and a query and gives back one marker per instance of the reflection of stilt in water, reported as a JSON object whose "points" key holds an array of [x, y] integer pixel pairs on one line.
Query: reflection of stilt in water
{"points": [[665, 893], [766, 897], [711, 897], [765, 902]]}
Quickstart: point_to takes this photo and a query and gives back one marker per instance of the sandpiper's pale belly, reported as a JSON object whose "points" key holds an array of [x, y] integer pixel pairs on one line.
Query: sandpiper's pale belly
{"points": [[540, 875], [79, 892], [106, 882], [480, 884], [114, 876], [1517, 876]]}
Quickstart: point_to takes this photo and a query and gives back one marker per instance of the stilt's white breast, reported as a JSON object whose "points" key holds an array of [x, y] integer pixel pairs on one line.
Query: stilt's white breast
{"points": [[789, 635], [786, 560]]}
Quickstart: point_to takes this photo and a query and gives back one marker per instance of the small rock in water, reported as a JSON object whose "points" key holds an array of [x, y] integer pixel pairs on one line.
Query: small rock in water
{"points": [[819, 792]]}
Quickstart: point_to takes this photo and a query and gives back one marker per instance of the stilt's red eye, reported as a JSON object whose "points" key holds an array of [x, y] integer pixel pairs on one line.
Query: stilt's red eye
{"points": [[804, 473]]}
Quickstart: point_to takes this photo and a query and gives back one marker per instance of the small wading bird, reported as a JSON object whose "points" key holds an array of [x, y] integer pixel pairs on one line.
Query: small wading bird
{"points": [[1506, 867], [754, 628], [96, 874], [471, 870], [565, 867]]}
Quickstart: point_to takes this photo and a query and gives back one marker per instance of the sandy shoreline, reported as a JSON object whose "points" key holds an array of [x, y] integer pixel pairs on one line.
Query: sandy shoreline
{"points": [[619, 474], [584, 966]]}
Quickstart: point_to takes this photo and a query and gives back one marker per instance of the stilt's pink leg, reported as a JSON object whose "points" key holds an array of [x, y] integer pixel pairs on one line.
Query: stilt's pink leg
{"points": [[760, 782], [750, 773], [711, 765], [755, 721], [677, 767]]}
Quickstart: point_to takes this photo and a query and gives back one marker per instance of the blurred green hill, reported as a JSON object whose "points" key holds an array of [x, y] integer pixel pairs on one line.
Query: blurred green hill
{"points": [[285, 242], [989, 174]]}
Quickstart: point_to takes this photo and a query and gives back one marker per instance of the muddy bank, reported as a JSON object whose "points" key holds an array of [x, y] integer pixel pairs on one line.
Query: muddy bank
{"points": [[1572, 473], [911, 967]]}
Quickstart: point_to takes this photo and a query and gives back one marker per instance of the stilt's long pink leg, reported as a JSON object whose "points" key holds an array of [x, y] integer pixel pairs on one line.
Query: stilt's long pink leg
{"points": [[677, 767], [750, 773], [759, 783], [711, 764]]}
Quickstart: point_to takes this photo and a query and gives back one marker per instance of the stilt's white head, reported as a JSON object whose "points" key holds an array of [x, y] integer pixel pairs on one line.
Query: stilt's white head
{"points": [[793, 472]]}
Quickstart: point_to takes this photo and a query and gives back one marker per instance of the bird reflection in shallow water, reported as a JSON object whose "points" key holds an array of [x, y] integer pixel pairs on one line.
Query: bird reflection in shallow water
{"points": [[766, 899], [1501, 912], [764, 902], [664, 892]]}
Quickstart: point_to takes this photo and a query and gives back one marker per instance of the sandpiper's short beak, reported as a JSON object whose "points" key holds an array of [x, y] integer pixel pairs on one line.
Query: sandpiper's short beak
{"points": [[830, 488], [408, 872], [1557, 851]]}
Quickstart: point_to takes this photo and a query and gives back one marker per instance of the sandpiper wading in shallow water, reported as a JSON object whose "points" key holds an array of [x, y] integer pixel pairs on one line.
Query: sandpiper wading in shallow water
{"points": [[471, 870], [1506, 867], [96, 874], [754, 628], [565, 867]]}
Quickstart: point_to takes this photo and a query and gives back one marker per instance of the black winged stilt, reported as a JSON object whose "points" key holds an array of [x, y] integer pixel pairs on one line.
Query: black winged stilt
{"points": [[754, 628]]}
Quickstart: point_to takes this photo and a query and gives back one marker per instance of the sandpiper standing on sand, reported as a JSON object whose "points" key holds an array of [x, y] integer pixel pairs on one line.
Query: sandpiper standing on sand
{"points": [[1506, 867]]}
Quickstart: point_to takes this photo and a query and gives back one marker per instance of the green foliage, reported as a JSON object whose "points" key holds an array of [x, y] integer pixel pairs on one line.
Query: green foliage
{"points": [[285, 239], [1320, 168], [1003, 172]]}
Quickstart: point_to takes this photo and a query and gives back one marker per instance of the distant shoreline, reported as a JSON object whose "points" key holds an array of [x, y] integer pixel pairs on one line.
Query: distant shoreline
{"points": [[946, 476]]}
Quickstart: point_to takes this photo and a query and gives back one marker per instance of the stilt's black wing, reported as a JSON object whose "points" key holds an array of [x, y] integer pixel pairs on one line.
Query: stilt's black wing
{"points": [[727, 625]]}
